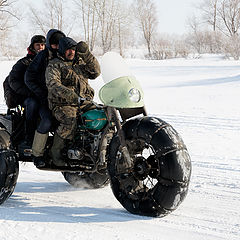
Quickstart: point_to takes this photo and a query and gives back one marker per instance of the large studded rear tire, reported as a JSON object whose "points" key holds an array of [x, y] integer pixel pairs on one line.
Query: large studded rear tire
{"points": [[9, 167], [158, 180]]}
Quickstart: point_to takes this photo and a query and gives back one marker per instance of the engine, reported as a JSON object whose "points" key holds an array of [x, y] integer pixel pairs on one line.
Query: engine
{"points": [[84, 147], [89, 148]]}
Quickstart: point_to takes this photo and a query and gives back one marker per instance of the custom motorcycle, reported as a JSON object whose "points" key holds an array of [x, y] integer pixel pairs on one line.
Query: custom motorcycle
{"points": [[144, 158]]}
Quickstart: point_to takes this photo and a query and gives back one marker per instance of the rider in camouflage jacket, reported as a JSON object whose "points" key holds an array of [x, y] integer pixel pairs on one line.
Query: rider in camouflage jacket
{"points": [[67, 80]]}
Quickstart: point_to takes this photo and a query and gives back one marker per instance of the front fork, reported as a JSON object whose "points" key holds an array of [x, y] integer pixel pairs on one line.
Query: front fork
{"points": [[113, 117]]}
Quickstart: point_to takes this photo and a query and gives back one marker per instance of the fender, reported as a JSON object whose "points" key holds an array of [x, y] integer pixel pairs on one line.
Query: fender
{"points": [[4, 138]]}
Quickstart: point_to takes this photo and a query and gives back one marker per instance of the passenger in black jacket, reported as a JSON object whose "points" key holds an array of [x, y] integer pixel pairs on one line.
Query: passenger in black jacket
{"points": [[35, 81], [16, 76], [35, 74], [21, 91]]}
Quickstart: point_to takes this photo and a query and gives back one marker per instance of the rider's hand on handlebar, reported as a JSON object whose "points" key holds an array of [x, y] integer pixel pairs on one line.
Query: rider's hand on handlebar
{"points": [[81, 100]]}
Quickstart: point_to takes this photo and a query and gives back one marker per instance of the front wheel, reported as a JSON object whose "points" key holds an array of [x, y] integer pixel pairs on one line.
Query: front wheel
{"points": [[158, 179]]}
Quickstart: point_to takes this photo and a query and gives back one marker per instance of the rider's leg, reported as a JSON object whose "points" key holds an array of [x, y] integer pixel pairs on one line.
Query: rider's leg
{"points": [[66, 117], [38, 146], [31, 114], [46, 119], [41, 136], [55, 152]]}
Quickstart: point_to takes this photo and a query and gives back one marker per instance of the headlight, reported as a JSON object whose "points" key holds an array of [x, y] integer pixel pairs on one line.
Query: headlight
{"points": [[134, 95]]}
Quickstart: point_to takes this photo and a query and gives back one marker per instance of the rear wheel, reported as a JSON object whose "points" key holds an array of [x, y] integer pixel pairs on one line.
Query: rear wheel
{"points": [[158, 179], [9, 167], [87, 180]]}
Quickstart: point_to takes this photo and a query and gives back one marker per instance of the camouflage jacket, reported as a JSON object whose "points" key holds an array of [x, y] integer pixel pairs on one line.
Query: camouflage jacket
{"points": [[68, 80]]}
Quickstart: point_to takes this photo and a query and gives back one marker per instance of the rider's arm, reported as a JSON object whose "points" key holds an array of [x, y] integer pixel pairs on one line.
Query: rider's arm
{"points": [[90, 67], [56, 90], [16, 78]]}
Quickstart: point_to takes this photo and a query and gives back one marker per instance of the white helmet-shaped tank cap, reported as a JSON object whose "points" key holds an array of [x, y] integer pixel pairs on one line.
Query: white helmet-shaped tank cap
{"points": [[113, 66]]}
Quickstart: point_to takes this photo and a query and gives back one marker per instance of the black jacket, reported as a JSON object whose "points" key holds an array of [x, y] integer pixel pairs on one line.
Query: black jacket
{"points": [[16, 76], [35, 74]]}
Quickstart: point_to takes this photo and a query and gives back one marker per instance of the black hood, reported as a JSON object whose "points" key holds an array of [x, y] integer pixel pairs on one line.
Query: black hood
{"points": [[49, 35], [66, 43]]}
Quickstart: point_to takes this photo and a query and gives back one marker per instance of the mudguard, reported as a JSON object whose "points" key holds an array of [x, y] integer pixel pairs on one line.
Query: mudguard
{"points": [[9, 167]]}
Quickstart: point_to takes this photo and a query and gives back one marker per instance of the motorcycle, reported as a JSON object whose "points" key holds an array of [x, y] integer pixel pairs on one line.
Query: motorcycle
{"points": [[144, 158]]}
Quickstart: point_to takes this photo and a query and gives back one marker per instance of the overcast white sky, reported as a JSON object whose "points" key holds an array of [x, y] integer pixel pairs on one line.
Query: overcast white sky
{"points": [[173, 14]]}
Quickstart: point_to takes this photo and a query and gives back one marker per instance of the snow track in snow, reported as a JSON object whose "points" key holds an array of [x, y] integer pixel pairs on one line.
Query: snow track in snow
{"points": [[214, 193], [207, 116]]}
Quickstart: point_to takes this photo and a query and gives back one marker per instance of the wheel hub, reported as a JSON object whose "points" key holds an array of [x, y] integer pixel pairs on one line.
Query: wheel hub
{"points": [[141, 168]]}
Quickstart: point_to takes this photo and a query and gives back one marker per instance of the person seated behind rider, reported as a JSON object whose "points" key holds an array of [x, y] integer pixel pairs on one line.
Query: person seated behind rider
{"points": [[67, 81], [17, 84], [35, 81]]}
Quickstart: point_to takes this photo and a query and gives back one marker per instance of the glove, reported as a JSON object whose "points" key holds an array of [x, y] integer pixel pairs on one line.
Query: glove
{"points": [[82, 51], [81, 100], [82, 47]]}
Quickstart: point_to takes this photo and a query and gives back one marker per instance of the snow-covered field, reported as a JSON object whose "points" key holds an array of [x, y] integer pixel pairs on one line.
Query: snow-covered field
{"points": [[201, 99]]}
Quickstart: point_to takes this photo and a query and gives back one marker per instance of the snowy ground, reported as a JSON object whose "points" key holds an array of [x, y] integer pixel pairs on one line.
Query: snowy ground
{"points": [[201, 99]]}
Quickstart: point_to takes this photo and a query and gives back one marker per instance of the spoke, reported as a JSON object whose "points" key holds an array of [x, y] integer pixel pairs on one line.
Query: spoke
{"points": [[138, 178]]}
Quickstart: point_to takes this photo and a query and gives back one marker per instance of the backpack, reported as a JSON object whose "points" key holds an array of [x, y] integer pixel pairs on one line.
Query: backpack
{"points": [[11, 97]]}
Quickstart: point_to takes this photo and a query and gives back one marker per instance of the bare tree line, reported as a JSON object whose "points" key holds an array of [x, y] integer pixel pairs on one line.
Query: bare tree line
{"points": [[215, 31], [6, 14], [8, 18], [117, 24], [103, 24], [218, 28]]}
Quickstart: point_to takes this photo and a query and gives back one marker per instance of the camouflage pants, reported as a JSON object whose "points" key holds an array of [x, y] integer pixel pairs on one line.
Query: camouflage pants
{"points": [[66, 116]]}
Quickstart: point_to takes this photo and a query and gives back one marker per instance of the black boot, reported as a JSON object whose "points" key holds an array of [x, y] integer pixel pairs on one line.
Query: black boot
{"points": [[25, 148], [39, 162]]}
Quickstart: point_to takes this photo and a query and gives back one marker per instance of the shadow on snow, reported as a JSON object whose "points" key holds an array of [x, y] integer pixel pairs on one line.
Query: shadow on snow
{"points": [[19, 210], [44, 187]]}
